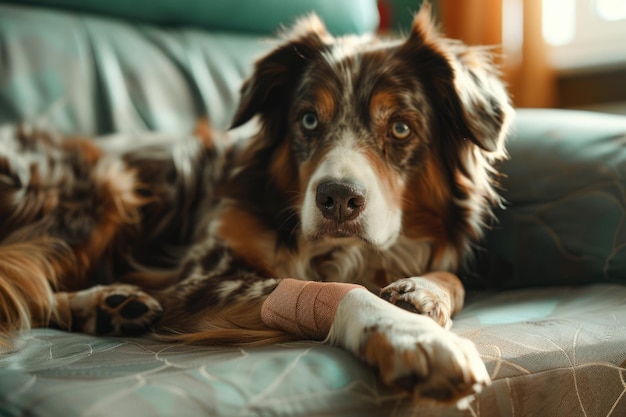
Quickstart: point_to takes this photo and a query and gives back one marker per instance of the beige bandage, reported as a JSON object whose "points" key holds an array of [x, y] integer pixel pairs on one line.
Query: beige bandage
{"points": [[304, 308]]}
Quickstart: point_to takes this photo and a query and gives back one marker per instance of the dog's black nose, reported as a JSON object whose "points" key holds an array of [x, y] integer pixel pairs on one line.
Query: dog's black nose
{"points": [[340, 200]]}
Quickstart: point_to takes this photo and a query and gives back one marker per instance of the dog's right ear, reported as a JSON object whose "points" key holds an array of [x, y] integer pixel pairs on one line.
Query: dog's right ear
{"points": [[275, 75]]}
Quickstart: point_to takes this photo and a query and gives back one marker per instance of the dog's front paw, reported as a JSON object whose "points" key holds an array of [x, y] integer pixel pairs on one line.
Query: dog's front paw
{"points": [[410, 351], [116, 309], [432, 363], [421, 296]]}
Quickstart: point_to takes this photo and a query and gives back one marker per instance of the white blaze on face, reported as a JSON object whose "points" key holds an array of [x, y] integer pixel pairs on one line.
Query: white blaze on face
{"points": [[380, 220]]}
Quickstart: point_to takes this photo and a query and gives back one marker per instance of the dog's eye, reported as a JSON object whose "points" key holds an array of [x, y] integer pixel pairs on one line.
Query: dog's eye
{"points": [[400, 130], [309, 121]]}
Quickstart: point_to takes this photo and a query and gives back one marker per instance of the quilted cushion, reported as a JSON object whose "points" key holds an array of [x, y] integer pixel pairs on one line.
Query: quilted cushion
{"points": [[568, 340], [564, 220]]}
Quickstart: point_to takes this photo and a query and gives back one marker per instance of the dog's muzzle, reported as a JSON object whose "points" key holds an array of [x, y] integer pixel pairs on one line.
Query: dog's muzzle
{"points": [[340, 201]]}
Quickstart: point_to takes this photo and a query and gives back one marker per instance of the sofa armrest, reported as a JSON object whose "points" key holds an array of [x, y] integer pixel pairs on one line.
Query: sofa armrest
{"points": [[565, 190]]}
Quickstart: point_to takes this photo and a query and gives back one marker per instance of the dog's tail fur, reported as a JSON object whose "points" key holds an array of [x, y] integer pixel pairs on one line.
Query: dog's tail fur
{"points": [[29, 274]]}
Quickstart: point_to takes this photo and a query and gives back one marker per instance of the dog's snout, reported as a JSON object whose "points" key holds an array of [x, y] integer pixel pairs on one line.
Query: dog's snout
{"points": [[340, 200]]}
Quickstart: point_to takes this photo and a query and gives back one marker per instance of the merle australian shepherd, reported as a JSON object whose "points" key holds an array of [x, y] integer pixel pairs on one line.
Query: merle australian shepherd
{"points": [[372, 165]]}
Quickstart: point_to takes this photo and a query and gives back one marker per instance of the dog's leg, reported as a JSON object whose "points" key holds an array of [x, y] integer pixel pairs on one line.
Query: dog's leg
{"points": [[438, 295], [411, 352], [217, 304], [117, 309]]}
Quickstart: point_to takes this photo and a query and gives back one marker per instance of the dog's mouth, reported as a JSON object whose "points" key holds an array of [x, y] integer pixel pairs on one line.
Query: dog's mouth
{"points": [[329, 229], [344, 232], [340, 230]]}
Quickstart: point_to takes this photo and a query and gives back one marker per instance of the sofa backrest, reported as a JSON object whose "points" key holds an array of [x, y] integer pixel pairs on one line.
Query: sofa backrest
{"points": [[158, 65]]}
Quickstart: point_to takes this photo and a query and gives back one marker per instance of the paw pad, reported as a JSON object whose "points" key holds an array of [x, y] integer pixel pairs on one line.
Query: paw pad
{"points": [[134, 309], [124, 310], [115, 300]]}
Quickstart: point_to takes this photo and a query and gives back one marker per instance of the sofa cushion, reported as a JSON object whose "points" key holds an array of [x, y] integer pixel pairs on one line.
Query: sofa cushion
{"points": [[564, 220], [550, 352], [260, 16]]}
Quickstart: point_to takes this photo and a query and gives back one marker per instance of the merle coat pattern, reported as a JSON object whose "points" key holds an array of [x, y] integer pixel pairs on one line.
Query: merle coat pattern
{"points": [[372, 165]]}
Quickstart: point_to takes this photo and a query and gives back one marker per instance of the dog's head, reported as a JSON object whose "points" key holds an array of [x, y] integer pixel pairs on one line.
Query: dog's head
{"points": [[372, 139]]}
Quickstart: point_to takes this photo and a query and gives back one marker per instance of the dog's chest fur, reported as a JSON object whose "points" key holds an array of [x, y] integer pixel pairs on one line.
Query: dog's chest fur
{"points": [[354, 261]]}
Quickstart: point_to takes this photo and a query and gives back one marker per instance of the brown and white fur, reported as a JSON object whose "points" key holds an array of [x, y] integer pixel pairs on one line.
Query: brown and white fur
{"points": [[372, 165]]}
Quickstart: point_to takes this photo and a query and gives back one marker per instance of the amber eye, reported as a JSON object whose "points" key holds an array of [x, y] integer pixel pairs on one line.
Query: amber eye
{"points": [[400, 130], [309, 121]]}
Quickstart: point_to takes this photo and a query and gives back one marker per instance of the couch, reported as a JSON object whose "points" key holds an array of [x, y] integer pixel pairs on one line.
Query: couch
{"points": [[546, 302]]}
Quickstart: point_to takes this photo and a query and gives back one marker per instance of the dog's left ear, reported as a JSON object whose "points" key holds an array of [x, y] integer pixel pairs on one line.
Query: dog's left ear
{"points": [[463, 81]]}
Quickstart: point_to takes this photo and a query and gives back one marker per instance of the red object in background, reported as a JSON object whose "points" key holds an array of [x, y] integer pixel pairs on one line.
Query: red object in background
{"points": [[385, 10]]}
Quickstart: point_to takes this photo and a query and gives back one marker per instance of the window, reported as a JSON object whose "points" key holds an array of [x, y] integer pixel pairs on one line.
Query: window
{"points": [[559, 21], [585, 33], [611, 9]]}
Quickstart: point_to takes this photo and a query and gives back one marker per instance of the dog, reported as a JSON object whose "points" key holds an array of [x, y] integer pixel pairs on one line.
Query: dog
{"points": [[373, 164]]}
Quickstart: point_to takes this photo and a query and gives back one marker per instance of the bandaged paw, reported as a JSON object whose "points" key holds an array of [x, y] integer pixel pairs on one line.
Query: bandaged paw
{"points": [[304, 308]]}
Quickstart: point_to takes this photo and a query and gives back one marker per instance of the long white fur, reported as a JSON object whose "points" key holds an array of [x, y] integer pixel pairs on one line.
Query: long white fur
{"points": [[420, 346]]}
